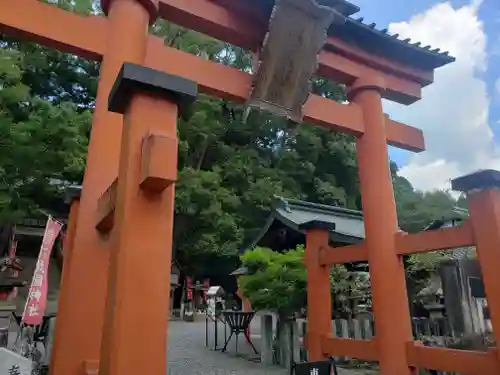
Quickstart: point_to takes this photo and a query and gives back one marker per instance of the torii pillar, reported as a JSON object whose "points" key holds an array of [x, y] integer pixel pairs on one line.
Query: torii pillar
{"points": [[483, 197], [387, 274], [81, 304], [142, 231]]}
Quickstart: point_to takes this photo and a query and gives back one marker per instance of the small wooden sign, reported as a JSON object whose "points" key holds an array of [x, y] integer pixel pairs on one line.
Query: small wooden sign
{"points": [[289, 56], [315, 368]]}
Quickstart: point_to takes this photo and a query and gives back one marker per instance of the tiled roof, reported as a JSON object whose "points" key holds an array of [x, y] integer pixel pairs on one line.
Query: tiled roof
{"points": [[349, 225], [449, 219], [454, 219], [347, 222], [379, 41]]}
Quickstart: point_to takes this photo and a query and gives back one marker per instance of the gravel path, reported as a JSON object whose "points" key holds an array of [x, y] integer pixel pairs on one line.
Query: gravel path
{"points": [[188, 354]]}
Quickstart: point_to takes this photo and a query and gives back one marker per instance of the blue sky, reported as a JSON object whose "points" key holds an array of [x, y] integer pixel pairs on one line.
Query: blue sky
{"points": [[460, 112]]}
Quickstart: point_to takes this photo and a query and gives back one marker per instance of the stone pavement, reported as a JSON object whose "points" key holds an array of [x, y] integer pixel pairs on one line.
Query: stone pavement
{"points": [[188, 355]]}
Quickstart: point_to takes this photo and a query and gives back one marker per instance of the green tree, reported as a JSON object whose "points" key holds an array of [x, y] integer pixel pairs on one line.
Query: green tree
{"points": [[277, 282], [41, 142], [416, 209], [43, 138]]}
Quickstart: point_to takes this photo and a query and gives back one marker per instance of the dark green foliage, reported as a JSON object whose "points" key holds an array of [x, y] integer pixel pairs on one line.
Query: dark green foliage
{"points": [[416, 210], [276, 281], [43, 138]]}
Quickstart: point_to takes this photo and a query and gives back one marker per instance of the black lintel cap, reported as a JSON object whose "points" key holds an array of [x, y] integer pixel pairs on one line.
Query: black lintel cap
{"points": [[480, 180], [71, 193], [317, 224], [133, 78]]}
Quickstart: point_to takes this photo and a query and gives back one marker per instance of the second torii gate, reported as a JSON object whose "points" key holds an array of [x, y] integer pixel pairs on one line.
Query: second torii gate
{"points": [[125, 214]]}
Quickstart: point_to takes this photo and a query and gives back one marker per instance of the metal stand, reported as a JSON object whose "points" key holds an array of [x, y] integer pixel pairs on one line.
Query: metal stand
{"points": [[239, 323], [215, 320]]}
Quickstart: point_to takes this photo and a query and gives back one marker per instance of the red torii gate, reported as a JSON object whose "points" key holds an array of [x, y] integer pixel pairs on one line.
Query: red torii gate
{"points": [[125, 214]]}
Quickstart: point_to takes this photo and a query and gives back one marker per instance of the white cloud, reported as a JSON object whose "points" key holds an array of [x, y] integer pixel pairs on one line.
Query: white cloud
{"points": [[454, 110]]}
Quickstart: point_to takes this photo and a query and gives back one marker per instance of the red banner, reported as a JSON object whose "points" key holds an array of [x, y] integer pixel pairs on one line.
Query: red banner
{"points": [[37, 297], [206, 286], [189, 288]]}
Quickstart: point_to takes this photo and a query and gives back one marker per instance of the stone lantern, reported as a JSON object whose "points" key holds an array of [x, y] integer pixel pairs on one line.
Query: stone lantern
{"points": [[432, 296]]}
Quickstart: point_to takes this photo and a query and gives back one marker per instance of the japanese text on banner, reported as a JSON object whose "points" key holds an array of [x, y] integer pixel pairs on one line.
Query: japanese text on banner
{"points": [[37, 296]]}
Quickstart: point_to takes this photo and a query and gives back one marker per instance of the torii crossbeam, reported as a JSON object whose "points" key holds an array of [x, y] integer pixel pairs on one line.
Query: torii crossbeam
{"points": [[125, 214]]}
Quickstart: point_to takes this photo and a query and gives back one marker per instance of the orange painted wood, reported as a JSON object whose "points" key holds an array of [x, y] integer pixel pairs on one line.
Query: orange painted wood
{"points": [[484, 209], [344, 70], [106, 208], [359, 349], [64, 33], [140, 223], [150, 5], [432, 240], [48, 25], [158, 162], [387, 274], [255, 27], [68, 261], [463, 362], [81, 322], [236, 87], [319, 111], [404, 136], [69, 238], [140, 258], [328, 256], [211, 18], [406, 244], [319, 300]]}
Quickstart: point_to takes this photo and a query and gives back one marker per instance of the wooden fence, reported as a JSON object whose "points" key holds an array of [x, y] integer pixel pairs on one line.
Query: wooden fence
{"points": [[432, 332]]}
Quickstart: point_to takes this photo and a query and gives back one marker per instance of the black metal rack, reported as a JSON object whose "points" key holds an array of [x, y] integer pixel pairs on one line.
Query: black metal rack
{"points": [[216, 319], [238, 322]]}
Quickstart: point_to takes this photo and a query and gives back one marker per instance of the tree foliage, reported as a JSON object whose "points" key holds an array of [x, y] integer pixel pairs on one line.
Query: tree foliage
{"points": [[277, 282], [42, 138]]}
